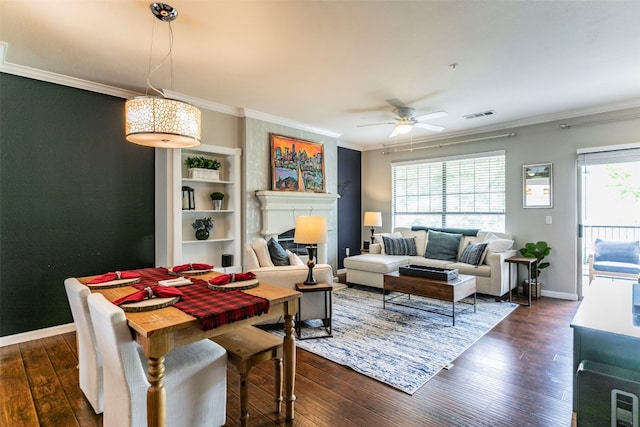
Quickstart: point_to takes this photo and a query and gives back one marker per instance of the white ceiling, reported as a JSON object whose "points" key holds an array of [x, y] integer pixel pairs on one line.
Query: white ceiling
{"points": [[334, 65]]}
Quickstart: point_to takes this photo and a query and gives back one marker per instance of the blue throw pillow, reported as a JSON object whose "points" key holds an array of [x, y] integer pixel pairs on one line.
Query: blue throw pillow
{"points": [[399, 245], [442, 246], [279, 256], [473, 253], [618, 251]]}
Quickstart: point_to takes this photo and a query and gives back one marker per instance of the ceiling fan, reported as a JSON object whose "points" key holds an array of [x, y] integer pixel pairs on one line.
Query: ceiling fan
{"points": [[405, 121]]}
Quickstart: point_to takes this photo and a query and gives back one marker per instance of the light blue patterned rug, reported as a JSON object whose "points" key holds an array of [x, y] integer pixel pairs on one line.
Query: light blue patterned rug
{"points": [[400, 346]]}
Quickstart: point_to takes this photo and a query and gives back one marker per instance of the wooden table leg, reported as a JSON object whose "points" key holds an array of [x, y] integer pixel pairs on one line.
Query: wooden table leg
{"points": [[289, 358], [156, 394]]}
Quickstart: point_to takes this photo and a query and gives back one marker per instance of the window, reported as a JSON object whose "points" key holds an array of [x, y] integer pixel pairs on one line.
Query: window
{"points": [[461, 192]]}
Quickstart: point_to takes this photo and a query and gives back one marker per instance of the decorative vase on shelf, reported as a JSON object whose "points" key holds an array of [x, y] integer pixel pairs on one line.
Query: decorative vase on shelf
{"points": [[202, 227], [202, 234], [217, 205]]}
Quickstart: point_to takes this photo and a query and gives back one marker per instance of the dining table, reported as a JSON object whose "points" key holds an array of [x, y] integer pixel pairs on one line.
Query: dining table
{"points": [[160, 330]]}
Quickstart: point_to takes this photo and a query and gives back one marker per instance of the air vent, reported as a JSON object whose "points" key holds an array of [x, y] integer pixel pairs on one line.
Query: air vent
{"points": [[482, 114]]}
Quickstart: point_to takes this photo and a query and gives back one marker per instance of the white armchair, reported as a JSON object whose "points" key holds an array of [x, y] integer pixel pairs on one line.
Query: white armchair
{"points": [[258, 261]]}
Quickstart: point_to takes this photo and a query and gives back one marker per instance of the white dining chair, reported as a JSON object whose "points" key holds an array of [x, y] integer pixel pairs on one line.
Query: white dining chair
{"points": [[89, 360], [195, 375]]}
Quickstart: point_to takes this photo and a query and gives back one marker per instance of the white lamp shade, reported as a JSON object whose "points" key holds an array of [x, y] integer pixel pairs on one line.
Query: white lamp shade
{"points": [[161, 122], [372, 219], [310, 230]]}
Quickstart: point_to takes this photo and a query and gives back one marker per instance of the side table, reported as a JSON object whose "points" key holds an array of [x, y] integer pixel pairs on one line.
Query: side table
{"points": [[327, 288], [520, 260]]}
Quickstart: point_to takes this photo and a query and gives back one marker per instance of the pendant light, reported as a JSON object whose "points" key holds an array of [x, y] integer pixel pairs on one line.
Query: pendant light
{"points": [[157, 121]]}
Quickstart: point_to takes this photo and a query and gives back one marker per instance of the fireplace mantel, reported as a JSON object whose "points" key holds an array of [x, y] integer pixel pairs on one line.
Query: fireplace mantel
{"points": [[280, 208]]}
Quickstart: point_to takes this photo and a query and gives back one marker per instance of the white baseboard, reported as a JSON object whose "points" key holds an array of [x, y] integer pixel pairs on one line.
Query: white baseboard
{"points": [[559, 295], [37, 334]]}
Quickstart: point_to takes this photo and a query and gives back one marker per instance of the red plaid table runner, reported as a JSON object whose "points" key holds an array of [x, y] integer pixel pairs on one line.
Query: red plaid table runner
{"points": [[212, 308]]}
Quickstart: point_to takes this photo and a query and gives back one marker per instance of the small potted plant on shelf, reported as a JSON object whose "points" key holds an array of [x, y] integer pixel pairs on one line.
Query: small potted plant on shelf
{"points": [[217, 197], [202, 226], [201, 167], [539, 251]]}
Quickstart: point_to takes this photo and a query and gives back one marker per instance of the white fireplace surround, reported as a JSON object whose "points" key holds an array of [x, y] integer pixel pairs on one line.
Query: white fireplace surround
{"points": [[280, 209]]}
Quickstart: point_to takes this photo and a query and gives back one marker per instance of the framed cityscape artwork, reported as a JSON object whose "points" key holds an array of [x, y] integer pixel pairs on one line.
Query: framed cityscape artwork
{"points": [[296, 164]]}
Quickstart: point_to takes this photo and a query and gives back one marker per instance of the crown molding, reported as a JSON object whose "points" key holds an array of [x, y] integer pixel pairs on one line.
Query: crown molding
{"points": [[50, 77], [203, 103], [286, 122]]}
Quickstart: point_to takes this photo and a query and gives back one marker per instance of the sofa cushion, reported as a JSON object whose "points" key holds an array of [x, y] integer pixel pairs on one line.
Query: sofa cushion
{"points": [[442, 246], [399, 245], [376, 263], [429, 262], [277, 253], [259, 246], [294, 259], [496, 244], [472, 270], [377, 238], [474, 253], [419, 235], [617, 251]]}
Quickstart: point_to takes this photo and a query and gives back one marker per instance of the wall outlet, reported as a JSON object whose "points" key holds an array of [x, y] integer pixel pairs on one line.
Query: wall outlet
{"points": [[548, 220], [346, 251]]}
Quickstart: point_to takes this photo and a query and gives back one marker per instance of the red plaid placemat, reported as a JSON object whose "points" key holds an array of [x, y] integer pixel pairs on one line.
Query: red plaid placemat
{"points": [[212, 308]]}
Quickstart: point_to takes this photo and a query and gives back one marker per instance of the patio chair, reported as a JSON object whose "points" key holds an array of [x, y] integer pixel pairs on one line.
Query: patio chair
{"points": [[613, 258]]}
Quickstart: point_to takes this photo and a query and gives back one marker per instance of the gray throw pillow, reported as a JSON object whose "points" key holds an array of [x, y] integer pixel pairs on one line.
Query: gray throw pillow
{"points": [[279, 256], [399, 245], [473, 253], [442, 246]]}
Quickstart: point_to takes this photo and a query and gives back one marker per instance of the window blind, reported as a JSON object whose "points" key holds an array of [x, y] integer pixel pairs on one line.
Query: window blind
{"points": [[461, 192], [608, 157]]}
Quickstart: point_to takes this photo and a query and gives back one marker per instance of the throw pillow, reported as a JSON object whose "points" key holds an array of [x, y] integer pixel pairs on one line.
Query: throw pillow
{"points": [[474, 253], [443, 246], [399, 245], [294, 259], [496, 244], [618, 251], [377, 238], [259, 246], [277, 253]]}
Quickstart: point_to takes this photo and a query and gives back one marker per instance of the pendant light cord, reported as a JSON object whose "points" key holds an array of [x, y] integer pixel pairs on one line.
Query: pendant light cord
{"points": [[168, 55]]}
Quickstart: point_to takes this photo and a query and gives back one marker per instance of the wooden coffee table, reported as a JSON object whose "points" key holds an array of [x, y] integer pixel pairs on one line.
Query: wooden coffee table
{"points": [[452, 291]]}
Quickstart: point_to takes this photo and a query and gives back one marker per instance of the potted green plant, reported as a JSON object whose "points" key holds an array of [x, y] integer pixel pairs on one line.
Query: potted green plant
{"points": [[201, 167], [539, 251], [217, 197], [202, 226]]}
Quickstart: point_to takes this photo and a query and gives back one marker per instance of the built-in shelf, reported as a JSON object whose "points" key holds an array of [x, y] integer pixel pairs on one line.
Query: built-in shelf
{"points": [[175, 237]]}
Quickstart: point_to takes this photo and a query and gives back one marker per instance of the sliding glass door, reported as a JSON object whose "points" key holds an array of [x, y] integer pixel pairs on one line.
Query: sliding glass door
{"points": [[610, 200]]}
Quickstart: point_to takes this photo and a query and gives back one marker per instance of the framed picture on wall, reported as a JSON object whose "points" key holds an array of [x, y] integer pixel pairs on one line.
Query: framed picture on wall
{"points": [[537, 191], [296, 165]]}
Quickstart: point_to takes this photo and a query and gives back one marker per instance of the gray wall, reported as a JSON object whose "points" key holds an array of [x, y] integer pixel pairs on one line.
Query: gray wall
{"points": [[257, 175], [540, 143]]}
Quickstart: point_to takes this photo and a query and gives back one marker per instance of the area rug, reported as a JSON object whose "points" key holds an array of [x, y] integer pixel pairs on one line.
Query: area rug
{"points": [[401, 346]]}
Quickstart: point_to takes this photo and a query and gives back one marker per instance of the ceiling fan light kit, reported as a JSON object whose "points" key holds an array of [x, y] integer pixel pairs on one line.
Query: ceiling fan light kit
{"points": [[405, 121], [157, 121]]}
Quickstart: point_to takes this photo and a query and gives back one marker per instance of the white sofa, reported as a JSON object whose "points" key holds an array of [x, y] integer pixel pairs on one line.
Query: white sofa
{"points": [[492, 275], [257, 261]]}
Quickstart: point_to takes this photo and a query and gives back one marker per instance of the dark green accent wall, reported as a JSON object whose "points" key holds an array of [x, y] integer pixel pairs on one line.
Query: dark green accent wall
{"points": [[75, 198], [349, 203]]}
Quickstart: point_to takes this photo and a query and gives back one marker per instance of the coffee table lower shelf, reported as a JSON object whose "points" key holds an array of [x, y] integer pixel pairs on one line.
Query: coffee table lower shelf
{"points": [[452, 291]]}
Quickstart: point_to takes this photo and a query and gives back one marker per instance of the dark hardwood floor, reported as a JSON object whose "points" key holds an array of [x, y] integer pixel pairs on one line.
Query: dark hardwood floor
{"points": [[519, 374]]}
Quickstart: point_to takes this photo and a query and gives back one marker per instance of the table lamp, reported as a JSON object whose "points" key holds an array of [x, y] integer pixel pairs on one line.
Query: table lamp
{"points": [[310, 230], [372, 219]]}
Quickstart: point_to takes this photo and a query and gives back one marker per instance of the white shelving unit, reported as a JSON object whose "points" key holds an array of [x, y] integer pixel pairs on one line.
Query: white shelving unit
{"points": [[175, 238]]}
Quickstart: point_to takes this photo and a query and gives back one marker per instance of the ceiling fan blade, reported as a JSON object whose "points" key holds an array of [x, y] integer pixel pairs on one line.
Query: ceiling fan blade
{"points": [[429, 116], [377, 124], [434, 128], [395, 102]]}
